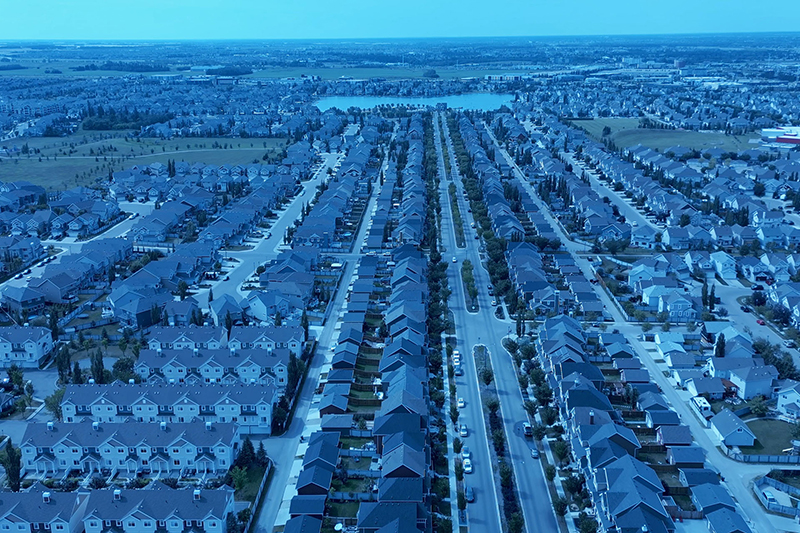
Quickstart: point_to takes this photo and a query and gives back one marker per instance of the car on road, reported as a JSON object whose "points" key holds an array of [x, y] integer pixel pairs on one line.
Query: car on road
{"points": [[18, 276], [28, 271], [535, 453], [472, 225], [467, 466], [469, 494], [463, 430], [465, 453], [745, 308], [461, 403], [761, 322], [226, 278], [527, 430], [789, 344], [455, 260], [334, 345], [494, 303]]}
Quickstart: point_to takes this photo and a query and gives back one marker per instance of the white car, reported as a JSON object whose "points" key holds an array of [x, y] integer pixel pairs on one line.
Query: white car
{"points": [[494, 303], [467, 466], [463, 430], [461, 403], [465, 453], [455, 260], [333, 346]]}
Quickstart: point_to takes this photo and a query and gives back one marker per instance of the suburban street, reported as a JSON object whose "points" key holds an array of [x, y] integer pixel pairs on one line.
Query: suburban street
{"points": [[482, 328], [738, 476], [285, 450]]}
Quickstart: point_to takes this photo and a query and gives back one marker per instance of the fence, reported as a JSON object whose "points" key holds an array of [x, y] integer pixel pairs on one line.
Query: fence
{"points": [[783, 487], [353, 496], [761, 459], [257, 501]]}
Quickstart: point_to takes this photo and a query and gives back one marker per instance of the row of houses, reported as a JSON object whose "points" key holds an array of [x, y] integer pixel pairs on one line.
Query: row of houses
{"points": [[606, 441]]}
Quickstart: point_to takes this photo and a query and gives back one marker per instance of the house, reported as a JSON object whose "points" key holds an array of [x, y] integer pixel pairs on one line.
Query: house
{"points": [[788, 402], [674, 435], [754, 381], [131, 447], [179, 511], [731, 430], [26, 347], [39, 509], [644, 237], [23, 299], [724, 265], [725, 520], [710, 497]]}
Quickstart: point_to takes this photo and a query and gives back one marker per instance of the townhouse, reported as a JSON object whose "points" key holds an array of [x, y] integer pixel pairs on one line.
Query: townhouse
{"points": [[167, 449]]}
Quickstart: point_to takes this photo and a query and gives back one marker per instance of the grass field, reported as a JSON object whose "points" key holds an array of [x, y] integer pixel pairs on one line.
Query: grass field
{"points": [[65, 162], [37, 69], [625, 132], [772, 437]]}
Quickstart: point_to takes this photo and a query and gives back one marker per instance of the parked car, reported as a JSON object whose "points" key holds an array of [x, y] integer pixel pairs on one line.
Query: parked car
{"points": [[467, 466], [760, 322], [469, 494], [535, 453], [789, 344], [461, 403], [465, 453], [455, 260], [745, 309], [463, 430]]}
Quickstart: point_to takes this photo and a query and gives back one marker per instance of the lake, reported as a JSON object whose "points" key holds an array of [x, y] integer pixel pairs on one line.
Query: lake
{"points": [[472, 101]]}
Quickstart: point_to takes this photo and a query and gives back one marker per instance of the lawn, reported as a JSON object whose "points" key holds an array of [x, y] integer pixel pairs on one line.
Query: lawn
{"points": [[772, 437], [250, 489], [81, 158], [625, 132], [343, 509]]}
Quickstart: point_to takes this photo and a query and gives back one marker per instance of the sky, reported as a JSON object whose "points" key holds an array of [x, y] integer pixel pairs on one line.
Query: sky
{"points": [[371, 19]]}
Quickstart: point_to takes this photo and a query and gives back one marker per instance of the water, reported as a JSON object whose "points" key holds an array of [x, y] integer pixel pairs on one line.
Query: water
{"points": [[472, 101]]}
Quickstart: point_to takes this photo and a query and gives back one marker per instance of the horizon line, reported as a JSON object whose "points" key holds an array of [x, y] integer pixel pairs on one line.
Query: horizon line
{"points": [[260, 39]]}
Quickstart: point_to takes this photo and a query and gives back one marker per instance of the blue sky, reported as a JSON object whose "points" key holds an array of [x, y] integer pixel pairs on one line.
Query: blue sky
{"points": [[343, 19]]}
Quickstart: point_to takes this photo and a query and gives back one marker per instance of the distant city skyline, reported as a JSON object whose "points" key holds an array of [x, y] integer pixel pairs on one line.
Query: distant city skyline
{"points": [[359, 19]]}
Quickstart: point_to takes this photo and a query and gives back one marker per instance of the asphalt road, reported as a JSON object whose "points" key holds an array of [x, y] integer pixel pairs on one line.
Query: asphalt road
{"points": [[482, 328], [739, 476]]}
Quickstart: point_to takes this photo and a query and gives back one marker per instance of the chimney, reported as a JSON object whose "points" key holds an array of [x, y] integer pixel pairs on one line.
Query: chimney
{"points": [[50, 426], [208, 426], [91, 381], [117, 494], [46, 497], [233, 351], [195, 351], [95, 425], [163, 426], [131, 382], [158, 351], [591, 417], [196, 495]]}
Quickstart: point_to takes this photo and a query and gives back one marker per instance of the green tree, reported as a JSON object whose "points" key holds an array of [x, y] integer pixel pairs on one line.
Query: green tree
{"points": [[97, 367], [758, 406], [13, 466], [550, 472], [77, 374], [53, 403], [228, 322], [486, 376], [247, 455], [561, 450], [183, 288], [239, 476], [719, 346], [560, 505], [17, 377], [53, 323], [712, 298], [210, 295]]}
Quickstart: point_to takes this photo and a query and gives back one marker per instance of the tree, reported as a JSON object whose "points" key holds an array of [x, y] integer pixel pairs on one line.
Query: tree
{"points": [[261, 455], [53, 403], [561, 450], [123, 346], [304, 323], [759, 189], [97, 367], [704, 294], [53, 323], [550, 472], [122, 369], [183, 288], [228, 322], [486, 376], [247, 455], [712, 298], [543, 394], [684, 220], [758, 406], [239, 476], [13, 466], [17, 377], [77, 374], [210, 295], [719, 346], [278, 319], [560, 506]]}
